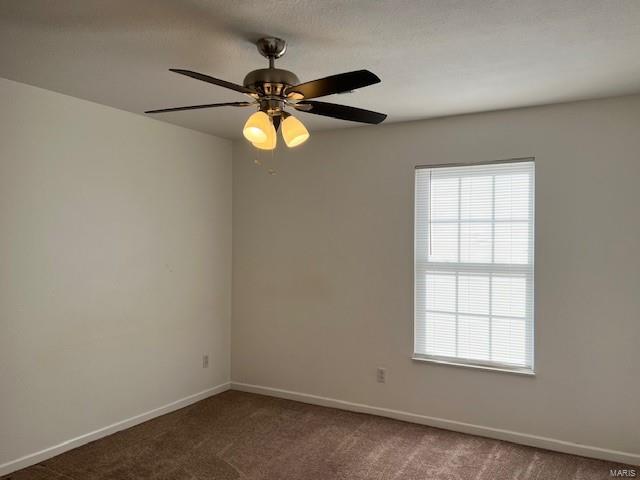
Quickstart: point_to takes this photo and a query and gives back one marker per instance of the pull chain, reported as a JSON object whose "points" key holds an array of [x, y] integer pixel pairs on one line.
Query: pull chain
{"points": [[258, 161], [271, 171]]}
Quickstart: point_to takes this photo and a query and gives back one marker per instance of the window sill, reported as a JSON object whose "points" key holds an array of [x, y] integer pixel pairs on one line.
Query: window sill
{"points": [[517, 371]]}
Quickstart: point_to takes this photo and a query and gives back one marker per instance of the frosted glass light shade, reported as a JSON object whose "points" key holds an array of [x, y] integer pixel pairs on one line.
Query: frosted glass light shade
{"points": [[294, 132], [256, 130], [271, 140]]}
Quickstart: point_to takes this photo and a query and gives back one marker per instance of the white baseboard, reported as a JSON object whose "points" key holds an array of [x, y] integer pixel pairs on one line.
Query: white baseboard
{"points": [[496, 433], [67, 445]]}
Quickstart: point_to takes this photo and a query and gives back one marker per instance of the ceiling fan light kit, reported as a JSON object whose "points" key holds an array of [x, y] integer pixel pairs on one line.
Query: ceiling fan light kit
{"points": [[257, 127], [271, 140], [272, 90], [294, 132]]}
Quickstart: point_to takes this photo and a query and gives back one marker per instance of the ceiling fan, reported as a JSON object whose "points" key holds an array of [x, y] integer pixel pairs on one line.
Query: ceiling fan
{"points": [[272, 90]]}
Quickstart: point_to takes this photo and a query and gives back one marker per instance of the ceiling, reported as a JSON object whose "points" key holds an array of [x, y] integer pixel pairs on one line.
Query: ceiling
{"points": [[435, 58]]}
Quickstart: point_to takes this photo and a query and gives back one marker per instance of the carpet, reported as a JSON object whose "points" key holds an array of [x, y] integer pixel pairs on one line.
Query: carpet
{"points": [[238, 435]]}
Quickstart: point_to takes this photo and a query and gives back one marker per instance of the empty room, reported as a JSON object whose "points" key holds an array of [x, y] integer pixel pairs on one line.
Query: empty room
{"points": [[319, 239]]}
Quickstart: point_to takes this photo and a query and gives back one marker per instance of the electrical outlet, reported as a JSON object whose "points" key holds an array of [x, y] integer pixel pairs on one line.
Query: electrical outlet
{"points": [[205, 361], [381, 375]]}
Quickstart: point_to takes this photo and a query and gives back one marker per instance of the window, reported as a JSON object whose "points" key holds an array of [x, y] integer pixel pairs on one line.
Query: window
{"points": [[474, 264]]}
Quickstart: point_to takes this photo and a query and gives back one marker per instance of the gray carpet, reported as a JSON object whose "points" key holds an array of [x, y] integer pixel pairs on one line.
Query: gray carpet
{"points": [[238, 435]]}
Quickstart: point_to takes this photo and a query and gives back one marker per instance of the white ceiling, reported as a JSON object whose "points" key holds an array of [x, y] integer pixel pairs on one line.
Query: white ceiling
{"points": [[435, 58]]}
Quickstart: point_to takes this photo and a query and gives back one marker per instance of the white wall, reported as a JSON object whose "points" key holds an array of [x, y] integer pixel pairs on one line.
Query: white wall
{"points": [[115, 266], [323, 270], [115, 246]]}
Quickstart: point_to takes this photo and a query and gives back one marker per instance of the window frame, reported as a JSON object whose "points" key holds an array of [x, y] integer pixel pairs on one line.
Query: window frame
{"points": [[526, 269]]}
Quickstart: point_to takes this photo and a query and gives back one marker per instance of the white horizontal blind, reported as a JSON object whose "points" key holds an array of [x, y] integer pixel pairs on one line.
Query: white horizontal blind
{"points": [[474, 264]]}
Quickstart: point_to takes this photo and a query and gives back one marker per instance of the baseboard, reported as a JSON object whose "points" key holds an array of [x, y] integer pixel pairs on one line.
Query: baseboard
{"points": [[67, 445], [495, 433]]}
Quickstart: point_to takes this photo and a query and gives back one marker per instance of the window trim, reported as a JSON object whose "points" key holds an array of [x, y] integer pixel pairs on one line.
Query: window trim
{"points": [[469, 363], [450, 361], [472, 164]]}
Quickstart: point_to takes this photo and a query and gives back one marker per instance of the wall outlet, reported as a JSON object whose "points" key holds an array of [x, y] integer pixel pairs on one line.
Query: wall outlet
{"points": [[381, 375], [205, 361]]}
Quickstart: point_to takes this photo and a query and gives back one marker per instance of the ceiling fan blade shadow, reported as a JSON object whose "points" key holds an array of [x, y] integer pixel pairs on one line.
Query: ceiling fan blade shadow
{"points": [[341, 112], [197, 107], [340, 83], [215, 81]]}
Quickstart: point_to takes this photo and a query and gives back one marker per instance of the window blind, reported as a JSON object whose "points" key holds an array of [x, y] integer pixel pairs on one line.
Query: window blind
{"points": [[474, 259]]}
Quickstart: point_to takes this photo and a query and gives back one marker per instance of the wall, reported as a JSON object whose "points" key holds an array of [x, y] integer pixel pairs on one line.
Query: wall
{"points": [[115, 266], [323, 272]]}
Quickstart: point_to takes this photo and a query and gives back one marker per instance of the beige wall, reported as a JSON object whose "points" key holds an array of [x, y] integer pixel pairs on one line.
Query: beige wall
{"points": [[323, 270], [115, 247]]}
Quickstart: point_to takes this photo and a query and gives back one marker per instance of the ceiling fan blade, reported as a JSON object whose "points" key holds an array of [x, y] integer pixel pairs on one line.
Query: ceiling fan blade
{"points": [[343, 82], [196, 107], [215, 81], [342, 112]]}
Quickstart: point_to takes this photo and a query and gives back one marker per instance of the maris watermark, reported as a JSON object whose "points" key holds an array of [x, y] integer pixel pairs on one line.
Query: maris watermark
{"points": [[623, 472]]}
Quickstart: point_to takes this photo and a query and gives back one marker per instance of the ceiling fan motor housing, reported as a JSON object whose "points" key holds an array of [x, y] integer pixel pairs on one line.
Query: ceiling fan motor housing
{"points": [[270, 81]]}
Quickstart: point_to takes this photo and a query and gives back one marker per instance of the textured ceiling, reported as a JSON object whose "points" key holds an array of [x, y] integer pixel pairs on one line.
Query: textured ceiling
{"points": [[435, 58]]}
